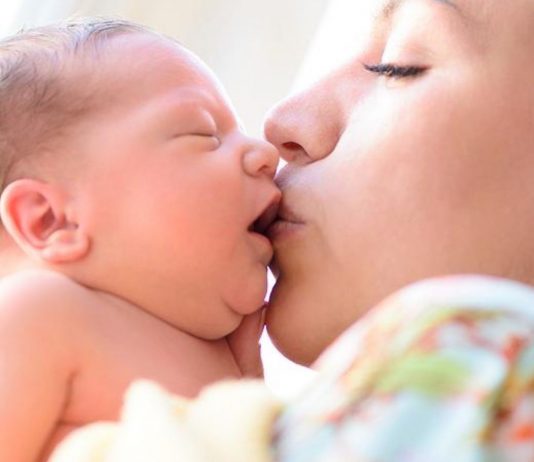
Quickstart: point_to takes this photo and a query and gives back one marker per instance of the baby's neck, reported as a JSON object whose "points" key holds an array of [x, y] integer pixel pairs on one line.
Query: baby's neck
{"points": [[13, 260]]}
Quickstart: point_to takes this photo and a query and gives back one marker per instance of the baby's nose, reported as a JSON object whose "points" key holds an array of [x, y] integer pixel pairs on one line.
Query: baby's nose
{"points": [[261, 158]]}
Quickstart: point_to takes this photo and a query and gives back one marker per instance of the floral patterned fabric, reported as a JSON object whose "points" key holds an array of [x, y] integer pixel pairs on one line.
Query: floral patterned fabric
{"points": [[441, 371]]}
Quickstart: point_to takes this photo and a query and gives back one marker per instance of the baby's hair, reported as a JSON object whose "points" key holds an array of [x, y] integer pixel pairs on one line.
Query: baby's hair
{"points": [[40, 99]]}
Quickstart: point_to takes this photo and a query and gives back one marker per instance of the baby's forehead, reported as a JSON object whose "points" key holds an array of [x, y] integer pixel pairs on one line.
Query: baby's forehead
{"points": [[134, 51], [163, 84], [144, 65], [142, 59]]}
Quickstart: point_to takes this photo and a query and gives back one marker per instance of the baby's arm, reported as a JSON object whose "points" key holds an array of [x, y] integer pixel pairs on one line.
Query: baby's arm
{"points": [[36, 362]]}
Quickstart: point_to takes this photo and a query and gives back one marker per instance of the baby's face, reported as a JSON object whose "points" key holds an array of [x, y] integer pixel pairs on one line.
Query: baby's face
{"points": [[411, 157], [170, 189]]}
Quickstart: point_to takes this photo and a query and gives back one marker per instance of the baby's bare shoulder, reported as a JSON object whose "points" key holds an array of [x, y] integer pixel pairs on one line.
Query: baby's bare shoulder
{"points": [[41, 336], [41, 298]]}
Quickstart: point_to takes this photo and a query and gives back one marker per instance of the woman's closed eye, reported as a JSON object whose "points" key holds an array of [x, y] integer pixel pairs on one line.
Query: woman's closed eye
{"points": [[395, 71]]}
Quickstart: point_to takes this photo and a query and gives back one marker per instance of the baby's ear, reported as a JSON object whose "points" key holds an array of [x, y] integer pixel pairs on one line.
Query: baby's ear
{"points": [[34, 215]]}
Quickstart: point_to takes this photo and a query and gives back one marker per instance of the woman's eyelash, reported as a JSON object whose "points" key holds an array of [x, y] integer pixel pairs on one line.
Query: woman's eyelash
{"points": [[394, 71]]}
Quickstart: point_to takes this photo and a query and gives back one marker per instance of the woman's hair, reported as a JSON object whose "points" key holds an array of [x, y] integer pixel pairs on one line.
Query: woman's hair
{"points": [[41, 94]]}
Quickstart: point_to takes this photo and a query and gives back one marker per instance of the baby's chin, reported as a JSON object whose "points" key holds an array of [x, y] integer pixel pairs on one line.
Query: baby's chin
{"points": [[226, 320], [249, 298]]}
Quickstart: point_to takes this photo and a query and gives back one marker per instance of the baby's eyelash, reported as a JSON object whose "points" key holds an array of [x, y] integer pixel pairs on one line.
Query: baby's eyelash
{"points": [[394, 71]]}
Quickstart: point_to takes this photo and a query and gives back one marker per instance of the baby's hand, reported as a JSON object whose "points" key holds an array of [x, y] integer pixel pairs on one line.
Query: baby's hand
{"points": [[244, 343]]}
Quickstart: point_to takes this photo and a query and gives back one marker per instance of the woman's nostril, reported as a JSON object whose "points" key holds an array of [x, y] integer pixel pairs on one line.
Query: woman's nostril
{"points": [[292, 146]]}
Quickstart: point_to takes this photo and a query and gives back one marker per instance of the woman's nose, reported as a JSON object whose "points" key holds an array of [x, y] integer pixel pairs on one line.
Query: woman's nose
{"points": [[261, 158], [305, 127]]}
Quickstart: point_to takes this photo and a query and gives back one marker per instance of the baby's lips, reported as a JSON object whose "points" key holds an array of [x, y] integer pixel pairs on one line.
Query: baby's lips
{"points": [[267, 217]]}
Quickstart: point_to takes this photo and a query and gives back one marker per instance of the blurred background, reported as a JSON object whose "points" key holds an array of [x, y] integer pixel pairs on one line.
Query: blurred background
{"points": [[261, 50]]}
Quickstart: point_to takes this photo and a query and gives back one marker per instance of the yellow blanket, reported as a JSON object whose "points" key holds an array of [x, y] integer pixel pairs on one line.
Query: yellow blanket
{"points": [[229, 422]]}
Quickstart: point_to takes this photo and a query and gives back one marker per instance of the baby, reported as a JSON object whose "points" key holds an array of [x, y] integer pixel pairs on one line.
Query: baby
{"points": [[131, 214]]}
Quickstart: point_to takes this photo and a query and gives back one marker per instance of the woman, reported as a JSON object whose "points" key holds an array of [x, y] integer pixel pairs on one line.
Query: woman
{"points": [[412, 159]]}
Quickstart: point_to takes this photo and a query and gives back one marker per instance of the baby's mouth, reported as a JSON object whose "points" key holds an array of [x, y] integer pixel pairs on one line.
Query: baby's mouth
{"points": [[266, 217]]}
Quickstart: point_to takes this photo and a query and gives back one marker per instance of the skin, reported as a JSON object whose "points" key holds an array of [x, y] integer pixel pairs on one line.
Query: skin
{"points": [[394, 179], [134, 258]]}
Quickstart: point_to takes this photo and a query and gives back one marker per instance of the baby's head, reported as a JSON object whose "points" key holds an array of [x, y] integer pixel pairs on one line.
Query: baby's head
{"points": [[123, 166]]}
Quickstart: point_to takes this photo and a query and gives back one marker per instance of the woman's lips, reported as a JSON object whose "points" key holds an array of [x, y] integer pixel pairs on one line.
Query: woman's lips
{"points": [[285, 224]]}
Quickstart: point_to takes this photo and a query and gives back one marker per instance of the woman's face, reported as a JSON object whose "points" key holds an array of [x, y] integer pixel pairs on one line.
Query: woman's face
{"points": [[413, 158]]}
